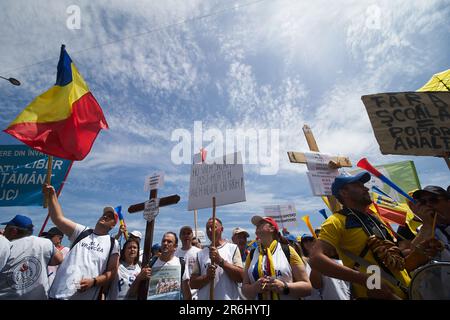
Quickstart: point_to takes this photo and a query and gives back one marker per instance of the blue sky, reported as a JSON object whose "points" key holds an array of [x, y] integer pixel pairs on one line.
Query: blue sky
{"points": [[158, 66]]}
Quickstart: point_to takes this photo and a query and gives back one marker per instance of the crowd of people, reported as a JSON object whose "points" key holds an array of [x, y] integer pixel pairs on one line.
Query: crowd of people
{"points": [[332, 264]]}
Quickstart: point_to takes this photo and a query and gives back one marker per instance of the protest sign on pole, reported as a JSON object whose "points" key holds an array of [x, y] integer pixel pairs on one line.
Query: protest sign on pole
{"points": [[154, 181], [222, 178], [411, 123], [285, 215], [320, 175], [23, 172]]}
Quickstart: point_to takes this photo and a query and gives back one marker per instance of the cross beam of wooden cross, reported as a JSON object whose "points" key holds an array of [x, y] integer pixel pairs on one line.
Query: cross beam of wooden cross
{"points": [[148, 242], [335, 163]]}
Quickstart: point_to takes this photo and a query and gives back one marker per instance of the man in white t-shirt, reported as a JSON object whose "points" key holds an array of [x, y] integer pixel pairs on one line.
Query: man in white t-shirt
{"points": [[25, 274], [166, 260], [189, 253], [220, 262], [93, 261]]}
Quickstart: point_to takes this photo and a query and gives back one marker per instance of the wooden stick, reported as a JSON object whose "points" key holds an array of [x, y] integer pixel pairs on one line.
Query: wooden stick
{"points": [[48, 179], [335, 206], [195, 222], [211, 285], [434, 225]]}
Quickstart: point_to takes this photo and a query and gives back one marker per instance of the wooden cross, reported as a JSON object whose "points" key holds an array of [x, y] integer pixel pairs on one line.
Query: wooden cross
{"points": [[335, 163], [148, 242]]}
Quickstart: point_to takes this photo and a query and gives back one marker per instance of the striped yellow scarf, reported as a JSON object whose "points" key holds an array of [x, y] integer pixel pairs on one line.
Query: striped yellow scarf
{"points": [[270, 267]]}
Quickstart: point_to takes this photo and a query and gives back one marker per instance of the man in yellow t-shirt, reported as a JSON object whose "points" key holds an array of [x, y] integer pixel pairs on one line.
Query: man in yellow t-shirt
{"points": [[347, 231]]}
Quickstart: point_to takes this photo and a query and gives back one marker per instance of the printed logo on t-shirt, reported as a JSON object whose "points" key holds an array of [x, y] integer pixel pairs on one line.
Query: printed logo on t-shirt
{"points": [[25, 273], [95, 246]]}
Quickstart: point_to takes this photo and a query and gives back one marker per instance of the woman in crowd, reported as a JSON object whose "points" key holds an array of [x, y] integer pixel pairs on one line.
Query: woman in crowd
{"points": [[129, 272], [274, 271]]}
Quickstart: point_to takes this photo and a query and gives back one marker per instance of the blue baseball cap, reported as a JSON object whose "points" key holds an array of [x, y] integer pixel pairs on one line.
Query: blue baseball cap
{"points": [[306, 236], [291, 237], [20, 222], [156, 246], [341, 181]]}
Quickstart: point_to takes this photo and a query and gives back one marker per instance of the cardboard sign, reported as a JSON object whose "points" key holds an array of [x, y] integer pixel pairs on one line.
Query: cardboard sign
{"points": [[412, 123], [223, 179], [154, 181], [320, 176], [22, 173], [165, 283], [285, 215], [201, 236], [151, 209], [321, 181]]}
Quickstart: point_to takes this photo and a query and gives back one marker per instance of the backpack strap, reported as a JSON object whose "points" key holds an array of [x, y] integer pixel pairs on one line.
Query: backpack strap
{"points": [[152, 261], [285, 247], [287, 251], [252, 252], [82, 235]]}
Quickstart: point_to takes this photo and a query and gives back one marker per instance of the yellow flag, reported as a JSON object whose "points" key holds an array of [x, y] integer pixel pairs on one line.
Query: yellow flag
{"points": [[308, 224], [438, 82]]}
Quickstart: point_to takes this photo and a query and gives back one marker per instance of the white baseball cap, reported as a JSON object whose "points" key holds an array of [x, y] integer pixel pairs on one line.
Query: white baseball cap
{"points": [[136, 234]]}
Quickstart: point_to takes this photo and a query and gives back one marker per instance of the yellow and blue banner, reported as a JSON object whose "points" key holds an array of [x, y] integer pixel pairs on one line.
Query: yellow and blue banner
{"points": [[23, 172]]}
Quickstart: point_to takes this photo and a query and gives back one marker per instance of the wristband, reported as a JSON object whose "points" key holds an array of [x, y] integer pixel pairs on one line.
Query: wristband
{"points": [[95, 282]]}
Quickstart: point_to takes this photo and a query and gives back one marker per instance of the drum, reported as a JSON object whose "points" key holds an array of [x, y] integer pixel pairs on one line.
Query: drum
{"points": [[431, 282]]}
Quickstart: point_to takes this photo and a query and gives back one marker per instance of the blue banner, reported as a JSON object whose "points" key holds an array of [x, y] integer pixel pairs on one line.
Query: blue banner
{"points": [[23, 172]]}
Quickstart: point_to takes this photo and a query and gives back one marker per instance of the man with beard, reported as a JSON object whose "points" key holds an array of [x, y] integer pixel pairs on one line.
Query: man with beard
{"points": [[347, 233]]}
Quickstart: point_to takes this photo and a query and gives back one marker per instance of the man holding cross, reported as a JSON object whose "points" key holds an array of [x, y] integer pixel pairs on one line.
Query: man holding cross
{"points": [[220, 262]]}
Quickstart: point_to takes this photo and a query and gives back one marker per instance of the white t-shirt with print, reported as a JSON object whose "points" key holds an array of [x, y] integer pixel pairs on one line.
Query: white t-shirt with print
{"points": [[125, 278], [88, 259], [283, 269], [190, 258], [5, 251], [25, 273], [224, 287]]}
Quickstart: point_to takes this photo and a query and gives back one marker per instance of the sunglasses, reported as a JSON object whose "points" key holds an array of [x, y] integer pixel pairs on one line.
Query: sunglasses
{"points": [[430, 200]]}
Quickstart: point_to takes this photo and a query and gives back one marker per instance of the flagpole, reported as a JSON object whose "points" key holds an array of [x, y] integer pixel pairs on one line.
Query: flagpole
{"points": [[211, 285], [48, 179], [195, 223]]}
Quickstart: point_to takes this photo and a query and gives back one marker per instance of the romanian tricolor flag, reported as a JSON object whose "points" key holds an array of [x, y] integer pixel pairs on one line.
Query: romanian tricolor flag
{"points": [[63, 121]]}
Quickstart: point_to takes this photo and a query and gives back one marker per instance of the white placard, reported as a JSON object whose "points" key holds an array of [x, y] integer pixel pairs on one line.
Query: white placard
{"points": [[201, 236], [154, 181], [321, 181], [285, 215], [223, 179], [317, 161], [151, 209]]}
